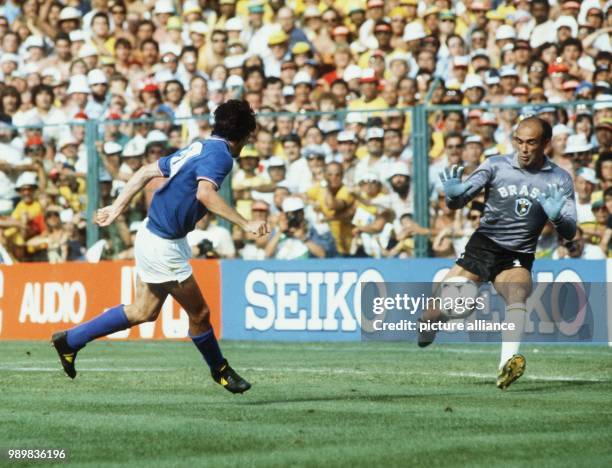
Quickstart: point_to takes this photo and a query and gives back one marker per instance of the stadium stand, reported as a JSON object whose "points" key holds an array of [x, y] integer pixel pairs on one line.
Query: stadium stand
{"points": [[333, 84]]}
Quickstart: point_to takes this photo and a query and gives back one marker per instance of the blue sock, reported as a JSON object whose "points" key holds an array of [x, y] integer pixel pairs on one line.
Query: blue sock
{"points": [[209, 347], [104, 324]]}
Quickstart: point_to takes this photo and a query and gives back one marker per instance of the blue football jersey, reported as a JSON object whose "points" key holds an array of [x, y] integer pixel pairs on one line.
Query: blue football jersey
{"points": [[175, 210]]}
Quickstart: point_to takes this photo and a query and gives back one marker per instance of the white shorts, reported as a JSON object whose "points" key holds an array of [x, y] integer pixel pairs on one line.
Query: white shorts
{"points": [[160, 260]]}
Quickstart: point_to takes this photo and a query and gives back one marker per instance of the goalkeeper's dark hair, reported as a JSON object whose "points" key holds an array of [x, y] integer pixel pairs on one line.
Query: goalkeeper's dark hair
{"points": [[544, 125], [234, 120]]}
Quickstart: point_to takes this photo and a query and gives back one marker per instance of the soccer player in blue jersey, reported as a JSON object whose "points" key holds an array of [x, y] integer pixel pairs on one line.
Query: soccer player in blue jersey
{"points": [[523, 191], [194, 174]]}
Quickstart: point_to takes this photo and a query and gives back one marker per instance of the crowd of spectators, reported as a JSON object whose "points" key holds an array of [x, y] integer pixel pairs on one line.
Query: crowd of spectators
{"points": [[332, 83]]}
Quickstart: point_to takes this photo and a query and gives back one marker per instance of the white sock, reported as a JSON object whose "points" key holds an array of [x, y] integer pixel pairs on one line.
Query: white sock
{"points": [[511, 339]]}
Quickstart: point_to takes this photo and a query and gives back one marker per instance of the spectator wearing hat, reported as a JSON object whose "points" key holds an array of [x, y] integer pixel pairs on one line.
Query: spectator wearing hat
{"points": [[376, 11], [293, 238], [375, 161], [472, 153], [253, 247], [579, 150], [246, 179], [278, 51], [371, 228], [400, 199], [585, 184], [131, 158], [52, 244], [603, 135], [370, 100], [29, 215]]}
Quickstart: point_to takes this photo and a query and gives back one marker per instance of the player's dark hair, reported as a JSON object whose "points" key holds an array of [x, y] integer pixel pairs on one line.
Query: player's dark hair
{"points": [[544, 125], [608, 192], [234, 120]]}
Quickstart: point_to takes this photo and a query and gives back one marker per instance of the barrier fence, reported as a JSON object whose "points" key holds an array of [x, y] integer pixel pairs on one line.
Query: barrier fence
{"points": [[277, 300], [419, 133]]}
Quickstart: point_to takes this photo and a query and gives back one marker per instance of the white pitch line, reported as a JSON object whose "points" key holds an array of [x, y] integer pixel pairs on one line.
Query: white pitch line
{"points": [[305, 370], [91, 369]]}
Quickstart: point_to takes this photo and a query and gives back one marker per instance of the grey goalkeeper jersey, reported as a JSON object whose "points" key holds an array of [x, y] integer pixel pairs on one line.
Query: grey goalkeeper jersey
{"points": [[513, 218]]}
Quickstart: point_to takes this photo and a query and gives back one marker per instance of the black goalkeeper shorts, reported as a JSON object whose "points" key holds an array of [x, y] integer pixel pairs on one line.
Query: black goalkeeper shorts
{"points": [[485, 258]]}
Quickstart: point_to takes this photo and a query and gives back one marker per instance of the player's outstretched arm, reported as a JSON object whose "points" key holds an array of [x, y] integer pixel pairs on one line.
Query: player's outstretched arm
{"points": [[454, 189], [105, 216], [561, 210], [208, 196]]}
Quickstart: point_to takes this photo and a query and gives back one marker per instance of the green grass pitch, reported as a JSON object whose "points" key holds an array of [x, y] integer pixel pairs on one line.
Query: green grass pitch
{"points": [[312, 404]]}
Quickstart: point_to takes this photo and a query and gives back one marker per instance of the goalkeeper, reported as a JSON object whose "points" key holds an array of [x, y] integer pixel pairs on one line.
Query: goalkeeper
{"points": [[522, 192]]}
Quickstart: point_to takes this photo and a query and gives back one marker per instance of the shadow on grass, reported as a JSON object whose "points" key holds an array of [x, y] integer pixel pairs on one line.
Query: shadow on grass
{"points": [[541, 385], [381, 398]]}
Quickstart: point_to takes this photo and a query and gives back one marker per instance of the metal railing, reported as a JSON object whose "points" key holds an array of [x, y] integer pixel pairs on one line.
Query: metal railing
{"points": [[419, 142]]}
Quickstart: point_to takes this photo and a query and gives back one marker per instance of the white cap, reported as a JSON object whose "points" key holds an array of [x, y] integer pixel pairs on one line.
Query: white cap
{"points": [[302, 77], [53, 73], [164, 75], [234, 81], [292, 204], [78, 84], [65, 140], [199, 27], [473, 139], [69, 13], [156, 136], [112, 147], [414, 31], [214, 86], [77, 35], [374, 132], [561, 129], [233, 61], [88, 50], [347, 135], [368, 177], [461, 61], [398, 168], [134, 147], [329, 126], [275, 161], [34, 41], [588, 174], [577, 144], [169, 48], [472, 81], [568, 22], [96, 76], [163, 6], [356, 117], [505, 31], [352, 72], [26, 178], [604, 102], [402, 56], [234, 24], [507, 70], [8, 57]]}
